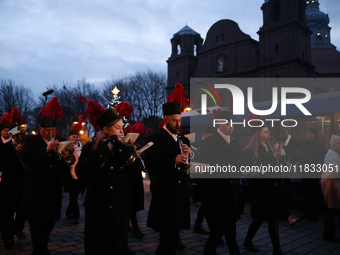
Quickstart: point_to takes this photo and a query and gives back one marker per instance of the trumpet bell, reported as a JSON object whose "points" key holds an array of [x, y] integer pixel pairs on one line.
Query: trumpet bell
{"points": [[18, 134], [18, 129]]}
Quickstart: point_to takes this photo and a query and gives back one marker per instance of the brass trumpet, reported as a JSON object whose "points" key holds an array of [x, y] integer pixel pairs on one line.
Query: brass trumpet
{"points": [[67, 159], [18, 134]]}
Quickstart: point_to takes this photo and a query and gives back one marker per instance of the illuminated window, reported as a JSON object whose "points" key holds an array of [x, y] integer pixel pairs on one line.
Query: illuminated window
{"points": [[327, 38], [318, 37]]}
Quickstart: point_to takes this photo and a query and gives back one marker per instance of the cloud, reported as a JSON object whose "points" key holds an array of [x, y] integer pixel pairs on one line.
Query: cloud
{"points": [[47, 42]]}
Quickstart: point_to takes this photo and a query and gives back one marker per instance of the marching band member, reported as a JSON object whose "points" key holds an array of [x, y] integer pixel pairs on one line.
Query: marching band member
{"points": [[43, 181], [107, 197], [163, 162], [13, 175], [72, 184]]}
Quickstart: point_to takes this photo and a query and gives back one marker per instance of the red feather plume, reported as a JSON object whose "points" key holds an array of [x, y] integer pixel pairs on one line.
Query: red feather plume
{"points": [[216, 113], [124, 109], [93, 111], [5, 117], [15, 117], [139, 128], [53, 108], [178, 95]]}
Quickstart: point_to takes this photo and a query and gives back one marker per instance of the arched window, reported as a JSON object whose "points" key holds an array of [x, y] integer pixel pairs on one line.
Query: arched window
{"points": [[220, 64], [318, 37], [195, 50], [276, 12], [178, 49]]}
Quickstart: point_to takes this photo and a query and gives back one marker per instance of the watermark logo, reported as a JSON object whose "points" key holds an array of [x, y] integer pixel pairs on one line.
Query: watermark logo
{"points": [[264, 98], [238, 100]]}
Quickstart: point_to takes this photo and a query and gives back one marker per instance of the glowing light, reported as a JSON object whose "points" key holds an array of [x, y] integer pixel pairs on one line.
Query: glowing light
{"points": [[143, 174], [81, 132], [33, 132], [115, 91], [188, 109]]}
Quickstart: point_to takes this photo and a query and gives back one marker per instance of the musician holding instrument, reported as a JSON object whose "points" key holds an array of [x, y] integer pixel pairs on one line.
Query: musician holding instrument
{"points": [[107, 198], [72, 184], [43, 181], [166, 165], [13, 175]]}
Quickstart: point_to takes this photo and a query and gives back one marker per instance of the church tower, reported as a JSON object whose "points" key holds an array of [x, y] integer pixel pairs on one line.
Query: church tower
{"points": [[317, 22], [284, 40], [183, 61]]}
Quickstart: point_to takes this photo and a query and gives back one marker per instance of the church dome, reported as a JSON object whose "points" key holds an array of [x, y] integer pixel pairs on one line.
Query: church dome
{"points": [[314, 15], [186, 31]]}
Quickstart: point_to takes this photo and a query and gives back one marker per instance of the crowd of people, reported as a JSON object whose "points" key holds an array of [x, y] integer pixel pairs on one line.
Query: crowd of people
{"points": [[108, 169]]}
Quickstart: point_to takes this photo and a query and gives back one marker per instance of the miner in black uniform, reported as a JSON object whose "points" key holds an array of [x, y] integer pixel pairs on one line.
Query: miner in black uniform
{"points": [[43, 180], [13, 175], [107, 198], [165, 164], [223, 194]]}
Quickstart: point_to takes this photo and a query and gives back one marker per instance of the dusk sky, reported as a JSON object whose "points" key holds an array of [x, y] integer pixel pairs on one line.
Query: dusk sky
{"points": [[46, 42]]}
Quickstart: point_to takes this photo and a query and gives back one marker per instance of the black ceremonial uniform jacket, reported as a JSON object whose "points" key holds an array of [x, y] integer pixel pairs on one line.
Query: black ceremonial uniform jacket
{"points": [[223, 196], [107, 199], [169, 207], [13, 175], [43, 181]]}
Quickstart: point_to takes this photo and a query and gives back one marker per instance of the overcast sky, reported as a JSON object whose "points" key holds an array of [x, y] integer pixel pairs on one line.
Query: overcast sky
{"points": [[46, 42]]}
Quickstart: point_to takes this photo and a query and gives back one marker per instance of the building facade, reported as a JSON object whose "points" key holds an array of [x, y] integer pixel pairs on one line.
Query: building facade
{"points": [[294, 42]]}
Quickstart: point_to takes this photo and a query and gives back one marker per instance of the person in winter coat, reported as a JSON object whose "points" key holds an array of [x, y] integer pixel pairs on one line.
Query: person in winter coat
{"points": [[330, 185]]}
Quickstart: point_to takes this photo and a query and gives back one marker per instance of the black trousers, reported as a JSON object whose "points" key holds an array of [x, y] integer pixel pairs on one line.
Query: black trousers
{"points": [[311, 189], [216, 233], [329, 225], [273, 229], [201, 213], [106, 232], [168, 242], [10, 225], [40, 234], [73, 206]]}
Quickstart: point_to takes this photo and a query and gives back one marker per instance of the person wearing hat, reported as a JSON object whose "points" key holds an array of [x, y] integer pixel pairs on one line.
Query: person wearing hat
{"points": [[223, 210], [264, 206], [43, 180], [12, 183], [312, 151], [107, 197], [330, 185], [72, 184], [165, 164]]}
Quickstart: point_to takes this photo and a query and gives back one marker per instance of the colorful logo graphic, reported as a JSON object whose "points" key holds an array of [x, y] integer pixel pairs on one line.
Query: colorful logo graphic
{"points": [[209, 93]]}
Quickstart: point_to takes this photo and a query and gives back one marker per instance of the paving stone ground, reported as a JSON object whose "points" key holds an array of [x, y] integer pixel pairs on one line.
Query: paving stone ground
{"points": [[303, 238]]}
